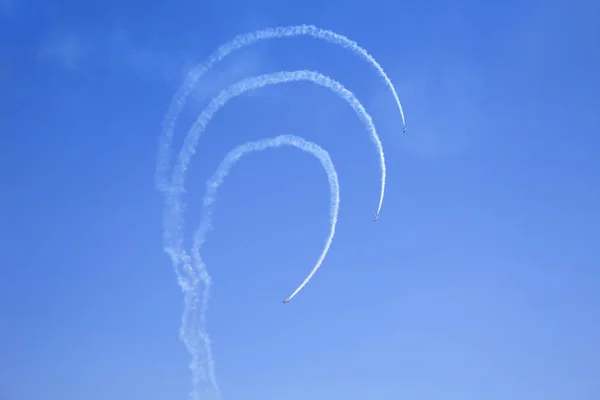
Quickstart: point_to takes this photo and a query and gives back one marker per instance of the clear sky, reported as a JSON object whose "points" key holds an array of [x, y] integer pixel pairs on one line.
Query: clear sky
{"points": [[479, 281]]}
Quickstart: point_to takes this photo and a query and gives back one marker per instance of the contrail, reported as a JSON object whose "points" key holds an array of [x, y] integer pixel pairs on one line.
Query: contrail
{"points": [[237, 43], [173, 218], [205, 226], [253, 83], [190, 270]]}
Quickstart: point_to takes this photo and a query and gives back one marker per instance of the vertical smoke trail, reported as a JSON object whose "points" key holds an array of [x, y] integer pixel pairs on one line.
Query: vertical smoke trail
{"points": [[212, 186], [237, 43]]}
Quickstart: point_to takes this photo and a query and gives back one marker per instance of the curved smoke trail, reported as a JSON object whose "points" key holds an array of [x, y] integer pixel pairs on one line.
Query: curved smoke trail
{"points": [[190, 270], [205, 226], [173, 220], [193, 135], [237, 43]]}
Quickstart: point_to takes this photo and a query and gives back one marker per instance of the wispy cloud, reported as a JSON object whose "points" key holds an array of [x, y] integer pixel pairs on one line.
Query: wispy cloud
{"points": [[119, 50], [122, 51], [63, 49]]}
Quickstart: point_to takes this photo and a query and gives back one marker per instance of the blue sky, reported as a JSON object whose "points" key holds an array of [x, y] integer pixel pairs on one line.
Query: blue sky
{"points": [[480, 279]]}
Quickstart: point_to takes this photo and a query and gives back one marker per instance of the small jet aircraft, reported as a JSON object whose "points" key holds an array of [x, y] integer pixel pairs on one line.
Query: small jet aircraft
{"points": [[376, 218], [404, 130], [285, 301]]}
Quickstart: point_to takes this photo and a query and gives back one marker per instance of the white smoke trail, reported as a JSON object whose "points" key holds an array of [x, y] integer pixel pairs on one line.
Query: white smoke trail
{"points": [[237, 43], [173, 218], [205, 226], [193, 135], [187, 273]]}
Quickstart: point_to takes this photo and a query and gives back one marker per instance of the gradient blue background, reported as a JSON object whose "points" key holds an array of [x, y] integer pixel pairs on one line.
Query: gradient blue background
{"points": [[479, 281]]}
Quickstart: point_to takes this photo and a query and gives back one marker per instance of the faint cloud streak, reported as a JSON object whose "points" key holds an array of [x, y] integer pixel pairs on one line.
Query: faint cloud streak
{"points": [[64, 50], [119, 50]]}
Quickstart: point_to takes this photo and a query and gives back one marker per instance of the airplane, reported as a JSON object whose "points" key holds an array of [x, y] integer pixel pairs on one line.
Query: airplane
{"points": [[404, 130], [376, 218], [285, 301]]}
